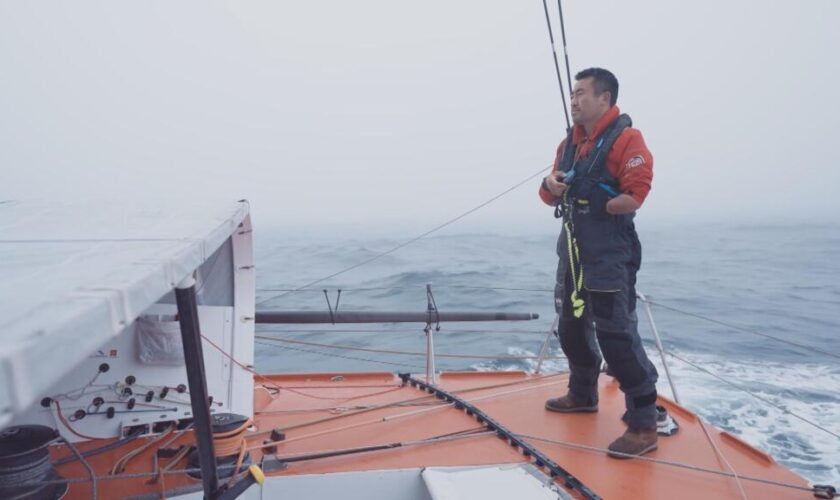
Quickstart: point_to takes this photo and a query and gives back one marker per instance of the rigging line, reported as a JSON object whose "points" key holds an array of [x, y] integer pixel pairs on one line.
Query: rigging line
{"points": [[464, 434], [417, 399], [102, 449], [399, 353], [335, 410], [340, 355], [66, 424], [565, 50], [760, 398], [81, 391], [557, 66], [406, 243], [388, 418], [469, 433], [746, 330], [272, 383], [91, 472], [682, 465], [722, 458], [541, 290]]}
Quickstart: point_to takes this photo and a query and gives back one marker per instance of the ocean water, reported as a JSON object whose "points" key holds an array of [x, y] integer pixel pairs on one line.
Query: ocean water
{"points": [[718, 293]]}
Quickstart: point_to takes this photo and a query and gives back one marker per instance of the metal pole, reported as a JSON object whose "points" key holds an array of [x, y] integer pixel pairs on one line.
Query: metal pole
{"points": [[194, 360], [544, 349], [430, 355], [324, 317], [644, 300], [431, 309]]}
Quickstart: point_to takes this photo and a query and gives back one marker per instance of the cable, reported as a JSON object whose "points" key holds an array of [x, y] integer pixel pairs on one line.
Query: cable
{"points": [[565, 50], [67, 424], [404, 244], [415, 400], [746, 330], [595, 449], [404, 365], [86, 464], [722, 457], [557, 66], [387, 417], [145, 475], [80, 390], [247, 368], [467, 433], [121, 464], [399, 353], [102, 449]]}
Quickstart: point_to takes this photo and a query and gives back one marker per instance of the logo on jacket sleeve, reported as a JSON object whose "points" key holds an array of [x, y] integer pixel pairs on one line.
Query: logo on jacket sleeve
{"points": [[636, 161]]}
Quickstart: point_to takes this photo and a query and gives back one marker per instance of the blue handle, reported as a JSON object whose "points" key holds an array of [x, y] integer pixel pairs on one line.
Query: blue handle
{"points": [[569, 177], [609, 189]]}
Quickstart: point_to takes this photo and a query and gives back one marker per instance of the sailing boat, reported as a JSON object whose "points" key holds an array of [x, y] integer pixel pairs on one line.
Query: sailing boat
{"points": [[128, 372]]}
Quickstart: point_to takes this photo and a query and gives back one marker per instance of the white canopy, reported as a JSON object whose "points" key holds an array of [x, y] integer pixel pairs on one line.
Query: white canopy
{"points": [[74, 275]]}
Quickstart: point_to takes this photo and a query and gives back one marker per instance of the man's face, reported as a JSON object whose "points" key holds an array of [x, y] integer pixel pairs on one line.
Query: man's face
{"points": [[586, 106]]}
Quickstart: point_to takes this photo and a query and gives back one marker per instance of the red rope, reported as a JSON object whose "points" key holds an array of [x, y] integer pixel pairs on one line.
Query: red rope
{"points": [[271, 382], [67, 424]]}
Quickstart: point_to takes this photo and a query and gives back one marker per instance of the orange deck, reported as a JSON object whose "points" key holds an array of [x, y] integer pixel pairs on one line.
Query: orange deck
{"points": [[323, 412]]}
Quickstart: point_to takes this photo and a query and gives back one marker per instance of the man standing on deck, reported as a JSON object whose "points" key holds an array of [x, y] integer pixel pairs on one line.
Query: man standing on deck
{"points": [[601, 176]]}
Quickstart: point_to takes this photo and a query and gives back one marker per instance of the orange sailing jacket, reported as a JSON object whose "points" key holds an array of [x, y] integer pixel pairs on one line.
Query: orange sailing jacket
{"points": [[629, 160]]}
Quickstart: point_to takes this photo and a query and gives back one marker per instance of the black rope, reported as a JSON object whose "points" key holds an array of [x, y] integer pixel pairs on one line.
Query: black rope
{"points": [[366, 449], [557, 65]]}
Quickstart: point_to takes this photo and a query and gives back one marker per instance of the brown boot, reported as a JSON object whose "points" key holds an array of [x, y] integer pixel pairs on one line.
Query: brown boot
{"points": [[633, 443], [567, 404]]}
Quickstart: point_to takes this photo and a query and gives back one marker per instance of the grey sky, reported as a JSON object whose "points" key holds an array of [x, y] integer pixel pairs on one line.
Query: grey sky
{"points": [[387, 111]]}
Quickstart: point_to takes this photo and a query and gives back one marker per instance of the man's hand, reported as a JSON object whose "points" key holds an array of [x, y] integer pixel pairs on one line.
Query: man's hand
{"points": [[622, 204], [554, 183]]}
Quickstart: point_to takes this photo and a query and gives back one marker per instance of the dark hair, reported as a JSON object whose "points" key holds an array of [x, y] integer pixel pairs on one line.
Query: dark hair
{"points": [[603, 80]]}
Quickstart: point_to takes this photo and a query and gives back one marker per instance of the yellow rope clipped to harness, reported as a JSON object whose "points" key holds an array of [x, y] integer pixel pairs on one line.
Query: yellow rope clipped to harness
{"points": [[575, 267]]}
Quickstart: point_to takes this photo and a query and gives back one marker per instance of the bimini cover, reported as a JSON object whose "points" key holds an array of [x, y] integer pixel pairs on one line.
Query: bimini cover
{"points": [[74, 275]]}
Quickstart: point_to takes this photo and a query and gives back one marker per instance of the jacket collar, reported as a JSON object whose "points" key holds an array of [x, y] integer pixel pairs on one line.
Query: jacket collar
{"points": [[579, 133]]}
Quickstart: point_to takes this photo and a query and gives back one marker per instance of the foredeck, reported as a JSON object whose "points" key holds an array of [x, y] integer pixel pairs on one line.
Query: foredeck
{"points": [[321, 413]]}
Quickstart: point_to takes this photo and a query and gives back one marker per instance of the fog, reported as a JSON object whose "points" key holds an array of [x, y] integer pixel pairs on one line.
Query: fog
{"points": [[382, 114]]}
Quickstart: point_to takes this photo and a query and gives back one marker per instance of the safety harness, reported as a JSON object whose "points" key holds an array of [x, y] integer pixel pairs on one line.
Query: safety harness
{"points": [[582, 175]]}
